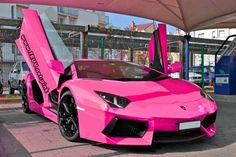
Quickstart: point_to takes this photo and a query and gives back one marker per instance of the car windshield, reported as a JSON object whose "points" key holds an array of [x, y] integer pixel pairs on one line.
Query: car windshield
{"points": [[60, 51], [25, 66], [117, 70]]}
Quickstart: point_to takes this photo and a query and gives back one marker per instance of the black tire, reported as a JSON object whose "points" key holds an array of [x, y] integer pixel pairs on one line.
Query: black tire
{"points": [[67, 117], [24, 98], [1, 88], [11, 90]]}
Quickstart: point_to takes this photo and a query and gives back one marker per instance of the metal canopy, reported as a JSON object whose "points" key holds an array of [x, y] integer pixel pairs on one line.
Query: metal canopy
{"points": [[187, 15]]}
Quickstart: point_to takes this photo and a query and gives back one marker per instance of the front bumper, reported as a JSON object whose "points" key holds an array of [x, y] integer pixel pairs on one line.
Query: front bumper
{"points": [[177, 136], [123, 130]]}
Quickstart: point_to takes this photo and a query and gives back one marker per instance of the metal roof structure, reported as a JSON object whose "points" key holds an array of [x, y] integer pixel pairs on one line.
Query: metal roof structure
{"points": [[187, 15]]}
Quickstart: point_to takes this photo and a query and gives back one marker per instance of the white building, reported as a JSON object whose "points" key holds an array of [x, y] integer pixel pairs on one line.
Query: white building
{"points": [[220, 34], [61, 15]]}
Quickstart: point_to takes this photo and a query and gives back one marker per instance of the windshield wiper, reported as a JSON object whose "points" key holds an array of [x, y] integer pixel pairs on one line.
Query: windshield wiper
{"points": [[123, 79], [160, 78]]}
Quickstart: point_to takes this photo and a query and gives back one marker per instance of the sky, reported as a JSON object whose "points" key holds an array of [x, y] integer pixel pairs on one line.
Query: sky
{"points": [[123, 21]]}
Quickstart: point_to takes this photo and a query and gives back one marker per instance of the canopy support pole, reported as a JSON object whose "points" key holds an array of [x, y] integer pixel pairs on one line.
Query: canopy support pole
{"points": [[202, 56], [84, 42], [187, 38]]}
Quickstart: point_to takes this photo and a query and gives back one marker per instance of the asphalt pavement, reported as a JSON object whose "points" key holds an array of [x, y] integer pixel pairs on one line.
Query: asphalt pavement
{"points": [[23, 135]]}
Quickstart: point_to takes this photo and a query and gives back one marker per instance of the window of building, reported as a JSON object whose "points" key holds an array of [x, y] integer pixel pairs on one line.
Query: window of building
{"points": [[60, 9], [221, 33], [72, 20], [19, 14], [13, 46], [72, 12], [201, 35], [107, 20], [12, 11], [192, 34], [214, 35], [61, 20]]}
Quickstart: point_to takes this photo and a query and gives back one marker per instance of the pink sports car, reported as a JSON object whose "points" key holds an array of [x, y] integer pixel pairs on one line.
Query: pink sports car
{"points": [[108, 101]]}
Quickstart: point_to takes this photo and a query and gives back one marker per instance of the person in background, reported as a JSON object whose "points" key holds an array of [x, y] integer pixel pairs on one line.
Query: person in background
{"points": [[211, 77]]}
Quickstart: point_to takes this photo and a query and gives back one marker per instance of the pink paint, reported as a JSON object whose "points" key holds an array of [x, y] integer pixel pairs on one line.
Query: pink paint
{"points": [[163, 43], [151, 49], [210, 131], [175, 67], [56, 66], [161, 35], [35, 49]]}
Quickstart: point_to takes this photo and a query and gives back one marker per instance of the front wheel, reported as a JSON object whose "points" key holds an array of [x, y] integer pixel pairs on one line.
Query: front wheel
{"points": [[68, 118]]}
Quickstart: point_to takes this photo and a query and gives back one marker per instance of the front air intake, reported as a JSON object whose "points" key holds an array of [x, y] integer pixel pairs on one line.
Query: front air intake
{"points": [[125, 128], [209, 119]]}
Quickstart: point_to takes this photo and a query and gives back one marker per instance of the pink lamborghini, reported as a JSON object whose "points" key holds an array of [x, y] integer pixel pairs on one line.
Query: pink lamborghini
{"points": [[108, 101]]}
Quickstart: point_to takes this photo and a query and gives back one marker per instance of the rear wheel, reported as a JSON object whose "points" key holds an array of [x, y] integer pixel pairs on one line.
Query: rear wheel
{"points": [[24, 98], [68, 118]]}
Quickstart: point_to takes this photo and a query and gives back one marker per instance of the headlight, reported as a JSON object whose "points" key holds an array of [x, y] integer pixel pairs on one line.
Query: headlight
{"points": [[207, 96], [114, 100]]}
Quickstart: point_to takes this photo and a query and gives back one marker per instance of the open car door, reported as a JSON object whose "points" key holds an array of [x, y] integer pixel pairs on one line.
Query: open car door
{"points": [[43, 50], [158, 49]]}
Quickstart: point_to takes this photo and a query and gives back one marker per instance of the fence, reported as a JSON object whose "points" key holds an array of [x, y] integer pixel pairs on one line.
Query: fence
{"points": [[102, 43]]}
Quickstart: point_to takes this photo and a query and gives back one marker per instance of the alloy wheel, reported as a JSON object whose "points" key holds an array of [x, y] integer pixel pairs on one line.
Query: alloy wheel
{"points": [[67, 117]]}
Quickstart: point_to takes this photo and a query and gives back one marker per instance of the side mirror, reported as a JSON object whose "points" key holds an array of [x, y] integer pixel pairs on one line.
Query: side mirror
{"points": [[56, 66], [175, 67]]}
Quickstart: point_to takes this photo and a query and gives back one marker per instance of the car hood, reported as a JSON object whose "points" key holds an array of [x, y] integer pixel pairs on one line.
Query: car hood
{"points": [[164, 91]]}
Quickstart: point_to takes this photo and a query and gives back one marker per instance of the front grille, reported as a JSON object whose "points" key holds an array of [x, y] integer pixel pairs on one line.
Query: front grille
{"points": [[125, 128], [209, 119], [177, 136]]}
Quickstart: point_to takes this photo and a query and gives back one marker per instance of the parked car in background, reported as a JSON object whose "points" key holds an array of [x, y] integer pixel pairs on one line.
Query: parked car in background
{"points": [[195, 77], [209, 73], [19, 69]]}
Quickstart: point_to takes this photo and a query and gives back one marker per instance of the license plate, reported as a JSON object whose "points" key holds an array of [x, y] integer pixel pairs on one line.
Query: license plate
{"points": [[189, 125]]}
